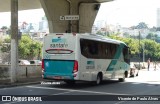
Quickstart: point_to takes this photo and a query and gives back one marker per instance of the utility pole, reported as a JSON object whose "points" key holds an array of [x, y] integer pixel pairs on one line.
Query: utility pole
{"points": [[139, 49], [143, 46], [14, 40], [143, 53]]}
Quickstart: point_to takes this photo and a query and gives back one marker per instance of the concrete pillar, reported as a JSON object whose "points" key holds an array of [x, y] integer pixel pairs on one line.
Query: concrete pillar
{"points": [[14, 40], [88, 13], [86, 9]]}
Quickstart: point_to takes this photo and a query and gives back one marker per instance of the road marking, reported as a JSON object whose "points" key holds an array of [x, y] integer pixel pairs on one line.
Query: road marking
{"points": [[11, 87], [62, 93], [71, 90]]}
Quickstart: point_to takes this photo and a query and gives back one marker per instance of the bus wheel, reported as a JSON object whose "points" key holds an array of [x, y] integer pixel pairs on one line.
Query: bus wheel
{"points": [[122, 79], [126, 74], [99, 79]]}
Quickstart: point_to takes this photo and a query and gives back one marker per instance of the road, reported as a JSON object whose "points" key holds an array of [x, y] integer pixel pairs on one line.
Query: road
{"points": [[147, 83]]}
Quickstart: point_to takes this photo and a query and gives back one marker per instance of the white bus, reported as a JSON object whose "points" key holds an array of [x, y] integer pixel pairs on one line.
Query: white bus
{"points": [[84, 57]]}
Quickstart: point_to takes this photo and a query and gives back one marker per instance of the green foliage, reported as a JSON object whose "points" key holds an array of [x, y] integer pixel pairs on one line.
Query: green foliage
{"points": [[99, 33], [27, 48], [152, 36], [126, 34], [1, 41], [4, 27], [7, 40], [6, 45], [151, 47], [132, 43], [142, 25]]}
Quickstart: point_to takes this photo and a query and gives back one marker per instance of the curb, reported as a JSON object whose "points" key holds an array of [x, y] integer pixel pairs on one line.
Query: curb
{"points": [[18, 84], [7, 85]]}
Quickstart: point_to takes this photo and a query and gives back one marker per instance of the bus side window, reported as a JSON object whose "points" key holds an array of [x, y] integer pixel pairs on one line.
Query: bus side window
{"points": [[85, 50], [111, 51], [93, 49], [126, 54], [84, 47], [106, 51], [103, 48]]}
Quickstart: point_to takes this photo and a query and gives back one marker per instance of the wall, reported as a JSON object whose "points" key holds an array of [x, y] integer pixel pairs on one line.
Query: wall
{"points": [[23, 72]]}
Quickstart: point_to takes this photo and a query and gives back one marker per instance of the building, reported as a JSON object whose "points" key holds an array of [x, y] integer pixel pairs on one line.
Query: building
{"points": [[1, 33], [158, 17], [100, 24], [43, 25]]}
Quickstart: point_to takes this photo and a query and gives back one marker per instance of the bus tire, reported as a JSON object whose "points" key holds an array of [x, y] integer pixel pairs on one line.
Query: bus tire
{"points": [[126, 74], [99, 79], [123, 79]]}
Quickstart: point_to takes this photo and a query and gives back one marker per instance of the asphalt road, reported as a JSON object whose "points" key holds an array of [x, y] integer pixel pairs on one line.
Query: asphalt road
{"points": [[147, 83]]}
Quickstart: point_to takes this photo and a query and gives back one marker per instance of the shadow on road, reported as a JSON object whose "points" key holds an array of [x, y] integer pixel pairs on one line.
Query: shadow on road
{"points": [[83, 84]]}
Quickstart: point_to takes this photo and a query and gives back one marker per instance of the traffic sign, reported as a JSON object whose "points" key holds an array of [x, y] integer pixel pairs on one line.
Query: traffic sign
{"points": [[69, 17], [62, 18]]}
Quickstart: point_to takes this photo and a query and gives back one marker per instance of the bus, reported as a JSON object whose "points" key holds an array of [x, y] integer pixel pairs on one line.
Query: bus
{"points": [[74, 57]]}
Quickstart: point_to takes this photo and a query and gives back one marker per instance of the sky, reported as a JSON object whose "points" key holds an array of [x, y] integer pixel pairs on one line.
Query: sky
{"points": [[29, 16], [123, 12], [129, 12]]}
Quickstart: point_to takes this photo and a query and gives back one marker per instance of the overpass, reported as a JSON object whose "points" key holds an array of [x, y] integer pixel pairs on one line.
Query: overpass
{"points": [[63, 16], [54, 9]]}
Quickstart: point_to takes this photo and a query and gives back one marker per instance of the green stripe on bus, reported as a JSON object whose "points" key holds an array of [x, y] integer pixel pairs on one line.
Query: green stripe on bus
{"points": [[115, 58]]}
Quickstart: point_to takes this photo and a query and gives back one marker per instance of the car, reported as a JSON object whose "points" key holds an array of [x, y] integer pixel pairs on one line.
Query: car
{"points": [[24, 62], [134, 70], [35, 62]]}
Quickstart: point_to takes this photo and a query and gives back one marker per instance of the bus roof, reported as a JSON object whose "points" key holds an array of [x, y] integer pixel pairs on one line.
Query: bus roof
{"points": [[101, 38], [91, 37]]}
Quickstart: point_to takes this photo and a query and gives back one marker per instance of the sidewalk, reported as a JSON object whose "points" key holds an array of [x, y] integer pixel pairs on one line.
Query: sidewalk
{"points": [[145, 76], [28, 81]]}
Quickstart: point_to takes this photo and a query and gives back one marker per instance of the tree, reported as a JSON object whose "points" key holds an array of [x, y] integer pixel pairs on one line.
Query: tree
{"points": [[99, 33], [28, 49], [5, 49], [152, 37], [1, 41], [158, 29], [132, 43], [4, 29], [126, 34], [152, 48], [149, 36], [142, 25], [6, 45]]}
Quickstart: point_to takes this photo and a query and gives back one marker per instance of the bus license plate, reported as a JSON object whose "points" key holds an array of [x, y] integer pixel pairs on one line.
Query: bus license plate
{"points": [[57, 77]]}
